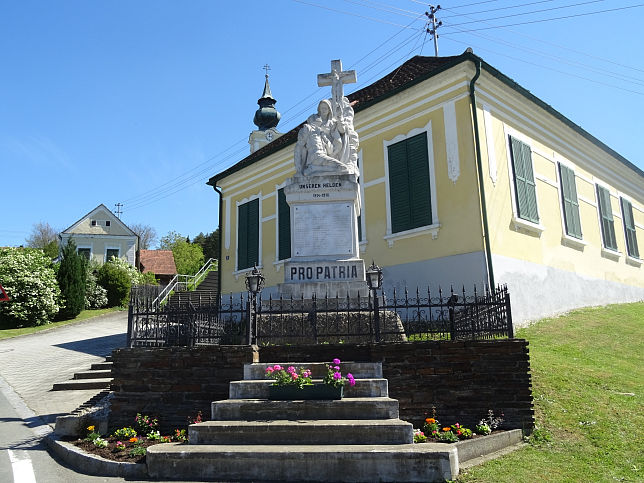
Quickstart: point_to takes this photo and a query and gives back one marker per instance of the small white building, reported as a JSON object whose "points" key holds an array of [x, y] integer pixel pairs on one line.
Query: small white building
{"points": [[100, 235]]}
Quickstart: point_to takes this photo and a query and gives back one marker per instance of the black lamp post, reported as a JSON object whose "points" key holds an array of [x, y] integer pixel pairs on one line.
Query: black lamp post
{"points": [[374, 282], [254, 285]]}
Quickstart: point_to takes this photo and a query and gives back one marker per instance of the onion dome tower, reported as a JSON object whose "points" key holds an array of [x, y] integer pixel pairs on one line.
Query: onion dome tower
{"points": [[266, 118]]}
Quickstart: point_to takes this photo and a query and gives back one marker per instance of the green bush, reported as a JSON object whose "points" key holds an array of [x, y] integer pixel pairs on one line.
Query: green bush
{"points": [[117, 283], [71, 277], [28, 278]]}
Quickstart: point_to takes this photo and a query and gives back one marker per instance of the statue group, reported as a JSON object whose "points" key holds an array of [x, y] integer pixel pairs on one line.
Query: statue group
{"points": [[328, 143]]}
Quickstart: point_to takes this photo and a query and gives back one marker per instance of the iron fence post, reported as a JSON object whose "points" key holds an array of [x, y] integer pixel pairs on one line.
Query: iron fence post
{"points": [[508, 316], [130, 324], [376, 315], [249, 317], [452, 317]]}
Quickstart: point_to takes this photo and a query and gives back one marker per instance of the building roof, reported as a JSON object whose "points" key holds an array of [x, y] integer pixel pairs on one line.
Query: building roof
{"points": [[109, 213], [412, 72], [159, 262]]}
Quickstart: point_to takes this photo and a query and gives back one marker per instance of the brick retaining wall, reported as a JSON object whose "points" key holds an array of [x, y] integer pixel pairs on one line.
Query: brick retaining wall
{"points": [[462, 379]]}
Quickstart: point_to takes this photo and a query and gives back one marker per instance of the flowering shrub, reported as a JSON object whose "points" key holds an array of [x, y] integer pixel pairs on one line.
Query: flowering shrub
{"points": [[145, 424], [28, 277], [289, 376], [446, 436], [100, 443], [334, 376], [95, 295], [460, 431], [419, 436], [124, 433], [489, 424], [180, 435], [117, 277], [431, 426], [119, 446]]}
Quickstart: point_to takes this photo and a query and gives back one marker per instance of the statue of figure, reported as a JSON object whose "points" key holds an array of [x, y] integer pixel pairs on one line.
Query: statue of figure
{"points": [[328, 144]]}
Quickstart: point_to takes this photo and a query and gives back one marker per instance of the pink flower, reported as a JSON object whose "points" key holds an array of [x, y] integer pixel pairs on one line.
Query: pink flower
{"points": [[269, 370], [336, 361], [290, 370], [337, 376], [294, 376], [337, 368], [277, 367]]}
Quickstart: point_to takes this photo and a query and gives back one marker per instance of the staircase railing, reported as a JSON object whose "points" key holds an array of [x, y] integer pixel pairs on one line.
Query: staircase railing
{"points": [[183, 283]]}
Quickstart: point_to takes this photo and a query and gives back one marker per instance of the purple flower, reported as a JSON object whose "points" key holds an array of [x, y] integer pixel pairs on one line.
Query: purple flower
{"points": [[277, 367], [337, 376], [290, 369], [336, 361], [336, 368]]}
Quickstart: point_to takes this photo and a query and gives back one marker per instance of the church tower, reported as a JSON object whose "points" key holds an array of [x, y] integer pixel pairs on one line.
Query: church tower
{"points": [[266, 118]]}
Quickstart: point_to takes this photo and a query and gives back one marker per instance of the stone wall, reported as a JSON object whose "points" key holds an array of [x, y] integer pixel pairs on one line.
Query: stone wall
{"points": [[463, 380], [173, 383]]}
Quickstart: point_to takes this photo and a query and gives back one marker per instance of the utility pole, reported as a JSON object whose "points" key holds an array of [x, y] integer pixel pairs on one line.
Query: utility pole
{"points": [[431, 15], [118, 210]]}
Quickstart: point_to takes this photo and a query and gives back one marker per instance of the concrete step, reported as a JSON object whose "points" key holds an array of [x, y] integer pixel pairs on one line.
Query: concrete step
{"points": [[262, 409], [340, 463], [93, 374], [97, 366], [378, 431], [256, 389], [81, 384], [359, 370]]}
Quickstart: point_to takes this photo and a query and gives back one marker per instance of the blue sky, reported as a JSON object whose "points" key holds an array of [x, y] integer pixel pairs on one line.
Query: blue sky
{"points": [[140, 102]]}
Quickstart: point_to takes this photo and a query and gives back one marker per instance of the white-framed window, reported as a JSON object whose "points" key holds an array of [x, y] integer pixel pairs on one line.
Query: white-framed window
{"points": [[606, 223], [112, 252], [523, 188], [569, 201], [630, 232], [410, 185]]}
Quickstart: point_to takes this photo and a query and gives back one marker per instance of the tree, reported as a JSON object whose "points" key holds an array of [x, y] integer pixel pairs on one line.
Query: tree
{"points": [[29, 279], [209, 244], [43, 236], [72, 275], [188, 257], [117, 277], [147, 235]]}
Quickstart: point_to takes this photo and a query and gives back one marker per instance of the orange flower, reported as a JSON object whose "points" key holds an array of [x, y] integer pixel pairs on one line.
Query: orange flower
{"points": [[133, 440], [447, 429], [430, 420]]}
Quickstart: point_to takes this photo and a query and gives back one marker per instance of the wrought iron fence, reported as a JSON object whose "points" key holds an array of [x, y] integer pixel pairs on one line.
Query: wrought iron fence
{"points": [[421, 315]]}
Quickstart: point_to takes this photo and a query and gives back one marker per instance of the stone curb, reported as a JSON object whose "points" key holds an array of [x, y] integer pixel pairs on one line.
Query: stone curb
{"points": [[470, 453], [90, 464]]}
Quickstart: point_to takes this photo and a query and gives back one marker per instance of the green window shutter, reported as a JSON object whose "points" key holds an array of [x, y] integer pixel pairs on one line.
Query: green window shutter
{"points": [[570, 201], [409, 184], [248, 234], [524, 186], [629, 229], [283, 226], [606, 215]]}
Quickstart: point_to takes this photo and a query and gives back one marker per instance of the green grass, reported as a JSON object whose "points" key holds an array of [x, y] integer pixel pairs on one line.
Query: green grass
{"points": [[84, 315], [588, 382]]}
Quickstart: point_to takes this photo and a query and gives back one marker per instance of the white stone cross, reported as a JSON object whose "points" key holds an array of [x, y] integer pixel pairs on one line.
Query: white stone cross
{"points": [[336, 79]]}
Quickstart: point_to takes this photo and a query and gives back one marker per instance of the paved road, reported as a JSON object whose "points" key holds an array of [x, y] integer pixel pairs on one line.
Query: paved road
{"points": [[31, 364]]}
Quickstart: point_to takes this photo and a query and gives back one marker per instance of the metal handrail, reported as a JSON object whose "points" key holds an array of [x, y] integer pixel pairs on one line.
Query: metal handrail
{"points": [[182, 283]]}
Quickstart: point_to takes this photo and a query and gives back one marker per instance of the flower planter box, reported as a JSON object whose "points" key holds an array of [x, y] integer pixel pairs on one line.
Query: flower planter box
{"points": [[309, 392]]}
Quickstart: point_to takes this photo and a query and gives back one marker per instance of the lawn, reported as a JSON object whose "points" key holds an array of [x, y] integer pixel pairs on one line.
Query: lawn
{"points": [[84, 315], [588, 380]]}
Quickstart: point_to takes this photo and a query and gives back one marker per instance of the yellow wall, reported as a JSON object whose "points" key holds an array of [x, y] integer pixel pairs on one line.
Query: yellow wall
{"points": [[551, 142], [457, 202]]}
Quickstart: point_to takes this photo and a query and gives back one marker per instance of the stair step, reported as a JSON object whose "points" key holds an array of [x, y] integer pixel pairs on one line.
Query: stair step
{"points": [[98, 374], [359, 370], [262, 409], [97, 366], [256, 389], [342, 463], [81, 384], [378, 431]]}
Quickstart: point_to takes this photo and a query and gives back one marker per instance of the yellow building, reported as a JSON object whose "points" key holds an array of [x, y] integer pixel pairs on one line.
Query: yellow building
{"points": [[511, 192], [100, 235]]}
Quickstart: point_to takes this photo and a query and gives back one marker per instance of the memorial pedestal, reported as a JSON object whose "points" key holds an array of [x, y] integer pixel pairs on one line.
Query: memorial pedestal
{"points": [[324, 238]]}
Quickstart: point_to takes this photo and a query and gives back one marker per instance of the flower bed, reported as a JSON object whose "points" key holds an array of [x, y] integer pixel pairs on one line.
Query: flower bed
{"points": [[434, 432]]}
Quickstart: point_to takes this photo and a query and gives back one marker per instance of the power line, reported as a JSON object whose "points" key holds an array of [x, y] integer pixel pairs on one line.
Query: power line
{"points": [[349, 13], [527, 13], [547, 19], [497, 9]]}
